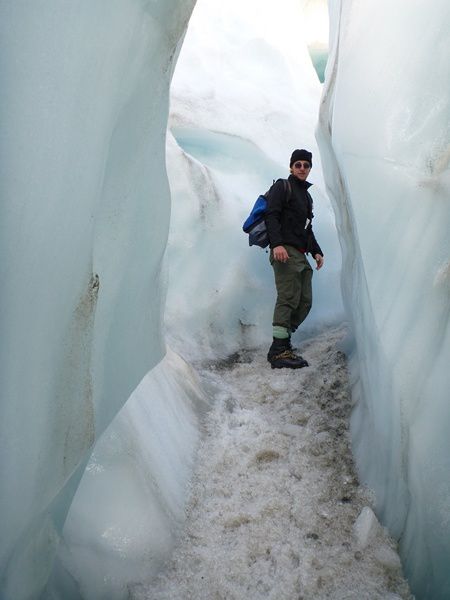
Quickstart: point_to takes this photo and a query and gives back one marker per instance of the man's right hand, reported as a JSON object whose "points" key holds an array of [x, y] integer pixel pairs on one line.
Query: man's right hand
{"points": [[280, 254]]}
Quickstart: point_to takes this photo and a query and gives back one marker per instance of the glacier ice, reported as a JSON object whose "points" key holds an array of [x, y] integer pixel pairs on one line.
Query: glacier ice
{"points": [[384, 136], [84, 220], [130, 503], [366, 527]]}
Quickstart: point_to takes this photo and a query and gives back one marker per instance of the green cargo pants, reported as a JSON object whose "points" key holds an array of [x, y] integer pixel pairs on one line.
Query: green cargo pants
{"points": [[293, 280]]}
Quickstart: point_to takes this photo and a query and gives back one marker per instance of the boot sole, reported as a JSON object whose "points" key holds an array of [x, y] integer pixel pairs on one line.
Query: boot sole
{"points": [[289, 366]]}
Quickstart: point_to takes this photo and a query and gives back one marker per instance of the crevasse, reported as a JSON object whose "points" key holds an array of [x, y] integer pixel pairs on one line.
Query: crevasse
{"points": [[85, 215]]}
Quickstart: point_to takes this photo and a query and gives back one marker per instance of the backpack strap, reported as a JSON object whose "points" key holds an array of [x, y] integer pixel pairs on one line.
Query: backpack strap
{"points": [[288, 192], [287, 189]]}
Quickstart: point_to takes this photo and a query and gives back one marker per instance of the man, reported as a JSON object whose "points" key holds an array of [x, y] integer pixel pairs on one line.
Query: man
{"points": [[288, 220]]}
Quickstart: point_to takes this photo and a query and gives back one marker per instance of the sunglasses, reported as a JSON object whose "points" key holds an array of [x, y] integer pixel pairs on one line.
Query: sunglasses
{"points": [[300, 164]]}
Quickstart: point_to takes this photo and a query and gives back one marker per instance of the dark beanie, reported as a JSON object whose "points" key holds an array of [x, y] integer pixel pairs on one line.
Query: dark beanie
{"points": [[301, 155]]}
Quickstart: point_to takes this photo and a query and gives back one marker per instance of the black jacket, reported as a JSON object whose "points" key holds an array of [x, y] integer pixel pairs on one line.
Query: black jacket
{"points": [[286, 216]]}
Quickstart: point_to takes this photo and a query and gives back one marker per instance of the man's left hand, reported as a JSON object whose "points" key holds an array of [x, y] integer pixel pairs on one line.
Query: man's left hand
{"points": [[319, 261]]}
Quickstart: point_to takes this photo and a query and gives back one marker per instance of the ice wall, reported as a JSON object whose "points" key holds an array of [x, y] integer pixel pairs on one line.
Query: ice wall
{"points": [[129, 505], [84, 218], [244, 95], [384, 136]]}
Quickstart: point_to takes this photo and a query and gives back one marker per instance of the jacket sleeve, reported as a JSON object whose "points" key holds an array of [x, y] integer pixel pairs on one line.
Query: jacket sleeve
{"points": [[275, 202], [313, 247]]}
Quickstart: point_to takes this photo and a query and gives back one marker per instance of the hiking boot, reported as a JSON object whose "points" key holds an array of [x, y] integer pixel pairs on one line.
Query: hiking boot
{"points": [[289, 346], [288, 360], [294, 351], [278, 346], [282, 356]]}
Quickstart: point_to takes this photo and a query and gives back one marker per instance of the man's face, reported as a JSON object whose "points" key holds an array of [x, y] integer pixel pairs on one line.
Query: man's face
{"points": [[301, 169]]}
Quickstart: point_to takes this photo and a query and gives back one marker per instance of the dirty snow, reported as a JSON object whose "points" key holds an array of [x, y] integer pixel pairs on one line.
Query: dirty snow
{"points": [[276, 511]]}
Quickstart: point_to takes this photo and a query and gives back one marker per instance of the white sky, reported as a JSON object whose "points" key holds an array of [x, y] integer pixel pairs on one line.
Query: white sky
{"points": [[308, 16], [316, 17]]}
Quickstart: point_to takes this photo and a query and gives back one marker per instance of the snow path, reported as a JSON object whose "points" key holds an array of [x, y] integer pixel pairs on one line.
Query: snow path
{"points": [[275, 496]]}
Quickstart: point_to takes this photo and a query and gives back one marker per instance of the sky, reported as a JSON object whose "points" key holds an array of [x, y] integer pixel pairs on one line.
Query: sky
{"points": [[316, 16]]}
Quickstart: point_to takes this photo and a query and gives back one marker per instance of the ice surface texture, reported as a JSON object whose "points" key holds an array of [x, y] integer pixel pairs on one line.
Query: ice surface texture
{"points": [[385, 141], [84, 217], [130, 503]]}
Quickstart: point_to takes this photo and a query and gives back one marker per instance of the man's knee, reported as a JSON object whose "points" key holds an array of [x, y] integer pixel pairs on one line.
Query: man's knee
{"points": [[289, 292]]}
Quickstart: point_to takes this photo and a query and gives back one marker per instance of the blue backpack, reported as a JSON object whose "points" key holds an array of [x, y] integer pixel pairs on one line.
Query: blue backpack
{"points": [[255, 224]]}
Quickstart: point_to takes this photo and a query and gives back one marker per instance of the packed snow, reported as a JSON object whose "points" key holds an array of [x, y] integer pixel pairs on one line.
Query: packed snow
{"points": [[275, 509]]}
